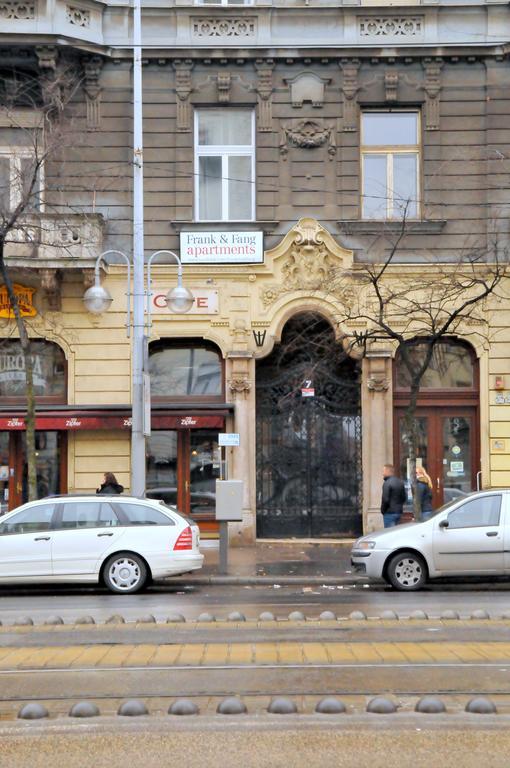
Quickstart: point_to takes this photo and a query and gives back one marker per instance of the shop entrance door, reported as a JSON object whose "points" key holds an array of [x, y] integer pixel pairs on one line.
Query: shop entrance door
{"points": [[182, 469], [51, 456], [447, 447]]}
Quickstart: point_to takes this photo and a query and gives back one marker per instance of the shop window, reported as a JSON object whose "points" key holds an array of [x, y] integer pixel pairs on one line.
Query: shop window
{"points": [[49, 371], [192, 370], [452, 366], [224, 165], [390, 159]]}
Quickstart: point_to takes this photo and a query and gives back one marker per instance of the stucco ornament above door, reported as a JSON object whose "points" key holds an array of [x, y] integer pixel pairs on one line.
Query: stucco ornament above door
{"points": [[308, 259]]}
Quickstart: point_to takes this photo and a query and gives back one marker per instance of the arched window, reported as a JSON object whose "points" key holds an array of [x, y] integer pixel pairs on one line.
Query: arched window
{"points": [[183, 370], [452, 366], [49, 370]]}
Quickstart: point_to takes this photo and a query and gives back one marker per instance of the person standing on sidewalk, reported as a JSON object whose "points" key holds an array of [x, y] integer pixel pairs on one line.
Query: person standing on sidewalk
{"points": [[394, 497], [424, 493]]}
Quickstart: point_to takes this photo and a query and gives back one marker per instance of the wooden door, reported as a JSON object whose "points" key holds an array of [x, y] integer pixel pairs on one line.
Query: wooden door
{"points": [[448, 448]]}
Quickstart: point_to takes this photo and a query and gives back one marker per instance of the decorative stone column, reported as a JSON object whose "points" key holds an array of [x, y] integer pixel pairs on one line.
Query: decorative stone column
{"points": [[240, 372], [377, 431]]}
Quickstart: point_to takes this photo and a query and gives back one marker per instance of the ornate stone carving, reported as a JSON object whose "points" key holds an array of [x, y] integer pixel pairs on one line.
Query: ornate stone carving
{"points": [[13, 9], [391, 85], [264, 93], [224, 81], [308, 134], [307, 86], [47, 56], [224, 26], [51, 280], [432, 88], [80, 17], [312, 258], [183, 89], [378, 384], [391, 26], [92, 67], [350, 88], [239, 386]]}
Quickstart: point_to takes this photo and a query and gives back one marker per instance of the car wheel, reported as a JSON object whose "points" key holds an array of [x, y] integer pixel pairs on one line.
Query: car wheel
{"points": [[407, 571], [125, 573]]}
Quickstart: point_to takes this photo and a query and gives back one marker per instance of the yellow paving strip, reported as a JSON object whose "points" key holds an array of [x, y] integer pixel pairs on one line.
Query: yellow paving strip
{"points": [[115, 656], [315, 653], [166, 655], [92, 655], [64, 657], [140, 656], [192, 653], [340, 653], [36, 657], [390, 654], [365, 652], [265, 653], [290, 653], [219, 654], [240, 653]]}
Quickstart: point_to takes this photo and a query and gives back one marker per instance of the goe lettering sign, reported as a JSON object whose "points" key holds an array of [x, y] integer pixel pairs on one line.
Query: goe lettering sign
{"points": [[222, 248]]}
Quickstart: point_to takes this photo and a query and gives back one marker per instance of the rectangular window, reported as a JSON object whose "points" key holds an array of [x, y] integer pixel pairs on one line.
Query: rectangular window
{"points": [[17, 172], [225, 165], [390, 159], [224, 2]]}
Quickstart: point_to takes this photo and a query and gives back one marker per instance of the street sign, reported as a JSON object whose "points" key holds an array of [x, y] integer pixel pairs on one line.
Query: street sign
{"points": [[307, 390], [228, 439]]}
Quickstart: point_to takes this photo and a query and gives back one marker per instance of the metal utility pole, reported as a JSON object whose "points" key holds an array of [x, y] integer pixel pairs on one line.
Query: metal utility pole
{"points": [[137, 393]]}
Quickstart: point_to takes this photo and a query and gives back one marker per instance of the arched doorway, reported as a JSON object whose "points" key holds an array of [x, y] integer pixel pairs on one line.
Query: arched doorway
{"points": [[447, 418], [308, 435]]}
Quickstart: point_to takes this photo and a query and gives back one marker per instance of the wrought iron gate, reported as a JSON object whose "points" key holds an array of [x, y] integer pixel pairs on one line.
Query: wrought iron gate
{"points": [[309, 450]]}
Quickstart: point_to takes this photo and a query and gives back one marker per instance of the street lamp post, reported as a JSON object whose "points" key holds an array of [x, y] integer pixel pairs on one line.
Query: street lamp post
{"points": [[97, 300]]}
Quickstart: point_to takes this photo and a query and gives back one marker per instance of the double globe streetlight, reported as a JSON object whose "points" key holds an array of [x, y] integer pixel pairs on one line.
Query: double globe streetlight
{"points": [[179, 300], [97, 298]]}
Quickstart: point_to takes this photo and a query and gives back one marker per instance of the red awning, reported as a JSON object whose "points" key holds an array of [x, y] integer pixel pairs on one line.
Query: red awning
{"points": [[83, 420]]}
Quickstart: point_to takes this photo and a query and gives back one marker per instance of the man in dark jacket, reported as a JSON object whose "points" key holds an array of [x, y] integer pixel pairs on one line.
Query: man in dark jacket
{"points": [[394, 497]]}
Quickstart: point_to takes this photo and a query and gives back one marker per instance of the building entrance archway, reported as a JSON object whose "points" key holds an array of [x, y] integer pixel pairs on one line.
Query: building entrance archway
{"points": [[309, 476]]}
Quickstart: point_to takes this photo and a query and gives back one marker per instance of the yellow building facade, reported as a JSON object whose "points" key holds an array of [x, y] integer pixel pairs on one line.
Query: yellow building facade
{"points": [[244, 312]]}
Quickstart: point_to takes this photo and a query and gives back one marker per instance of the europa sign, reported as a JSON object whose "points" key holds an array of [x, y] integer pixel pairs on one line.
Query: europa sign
{"points": [[25, 298], [222, 248]]}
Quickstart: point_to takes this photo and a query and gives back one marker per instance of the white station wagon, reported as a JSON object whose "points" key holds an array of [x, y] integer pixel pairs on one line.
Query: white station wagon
{"points": [[120, 541], [467, 537]]}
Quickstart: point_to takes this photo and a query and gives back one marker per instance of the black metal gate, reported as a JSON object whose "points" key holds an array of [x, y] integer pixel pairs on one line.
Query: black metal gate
{"points": [[309, 446]]}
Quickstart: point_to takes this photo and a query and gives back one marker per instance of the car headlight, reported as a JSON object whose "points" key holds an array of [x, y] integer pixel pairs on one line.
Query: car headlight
{"points": [[364, 544]]}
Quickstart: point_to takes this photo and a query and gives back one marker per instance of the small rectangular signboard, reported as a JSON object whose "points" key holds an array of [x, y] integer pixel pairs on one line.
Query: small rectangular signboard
{"points": [[228, 439]]}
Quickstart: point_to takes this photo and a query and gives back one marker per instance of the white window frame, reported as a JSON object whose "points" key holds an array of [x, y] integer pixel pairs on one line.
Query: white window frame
{"points": [[224, 151], [15, 155], [224, 2], [391, 150]]}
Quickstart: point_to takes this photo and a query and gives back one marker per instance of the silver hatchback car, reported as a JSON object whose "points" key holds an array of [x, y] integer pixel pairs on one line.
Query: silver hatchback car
{"points": [[467, 537]]}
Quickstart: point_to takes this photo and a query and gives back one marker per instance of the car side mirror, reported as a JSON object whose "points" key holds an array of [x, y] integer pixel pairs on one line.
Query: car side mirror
{"points": [[444, 524]]}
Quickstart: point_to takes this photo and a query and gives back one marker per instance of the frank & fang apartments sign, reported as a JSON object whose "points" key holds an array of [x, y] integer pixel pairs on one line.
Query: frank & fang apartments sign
{"points": [[222, 248]]}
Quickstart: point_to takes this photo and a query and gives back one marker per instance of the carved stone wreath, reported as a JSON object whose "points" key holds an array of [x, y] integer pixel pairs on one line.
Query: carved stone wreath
{"points": [[307, 134]]}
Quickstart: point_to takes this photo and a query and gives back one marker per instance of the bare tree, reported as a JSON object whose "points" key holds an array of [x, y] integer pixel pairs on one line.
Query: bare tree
{"points": [[415, 307], [21, 190]]}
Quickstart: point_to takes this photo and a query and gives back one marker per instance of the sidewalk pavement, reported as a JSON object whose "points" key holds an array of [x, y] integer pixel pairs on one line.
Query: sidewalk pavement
{"points": [[294, 562]]}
